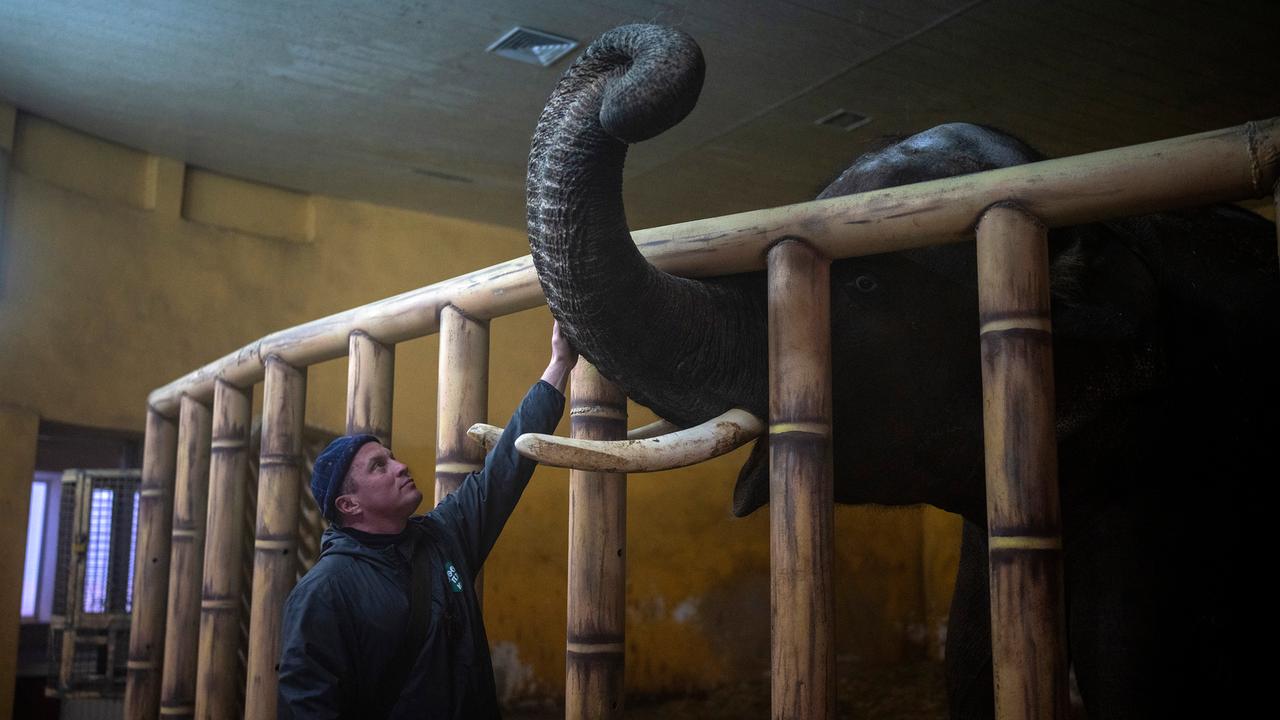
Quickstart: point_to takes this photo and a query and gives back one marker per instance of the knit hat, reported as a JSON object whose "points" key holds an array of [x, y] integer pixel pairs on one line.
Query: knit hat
{"points": [[331, 467]]}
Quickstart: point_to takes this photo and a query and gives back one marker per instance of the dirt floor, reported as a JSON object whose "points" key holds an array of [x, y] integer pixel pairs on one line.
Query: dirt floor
{"points": [[907, 691]]}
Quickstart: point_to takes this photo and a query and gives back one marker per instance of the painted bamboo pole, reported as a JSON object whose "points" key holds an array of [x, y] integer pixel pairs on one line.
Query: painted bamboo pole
{"points": [[1023, 515], [462, 398], [151, 568], [801, 494], [190, 505], [276, 536], [594, 648], [370, 379], [1218, 166], [218, 678]]}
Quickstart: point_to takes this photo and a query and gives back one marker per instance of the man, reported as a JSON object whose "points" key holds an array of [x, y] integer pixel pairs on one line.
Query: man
{"points": [[387, 624]]}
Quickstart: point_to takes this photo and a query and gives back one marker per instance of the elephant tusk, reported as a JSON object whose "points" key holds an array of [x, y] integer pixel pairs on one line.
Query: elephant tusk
{"points": [[712, 438], [653, 429], [487, 435]]}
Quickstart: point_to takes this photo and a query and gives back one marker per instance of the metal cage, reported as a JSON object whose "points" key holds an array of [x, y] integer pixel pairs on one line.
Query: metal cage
{"points": [[93, 595]]}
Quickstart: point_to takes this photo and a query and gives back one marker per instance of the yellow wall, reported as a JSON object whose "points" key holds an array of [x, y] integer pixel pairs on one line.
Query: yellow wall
{"points": [[123, 271]]}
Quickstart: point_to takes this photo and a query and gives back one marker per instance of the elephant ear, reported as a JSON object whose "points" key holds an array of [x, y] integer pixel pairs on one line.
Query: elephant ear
{"points": [[752, 490]]}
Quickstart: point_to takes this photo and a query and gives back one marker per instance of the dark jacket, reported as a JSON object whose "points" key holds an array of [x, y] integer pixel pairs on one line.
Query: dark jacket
{"points": [[346, 620]]}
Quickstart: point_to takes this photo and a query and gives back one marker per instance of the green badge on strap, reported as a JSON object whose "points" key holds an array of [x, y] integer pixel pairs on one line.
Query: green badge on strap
{"points": [[455, 580]]}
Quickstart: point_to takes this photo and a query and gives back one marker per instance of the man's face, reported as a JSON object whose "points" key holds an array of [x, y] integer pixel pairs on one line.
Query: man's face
{"points": [[384, 489]]}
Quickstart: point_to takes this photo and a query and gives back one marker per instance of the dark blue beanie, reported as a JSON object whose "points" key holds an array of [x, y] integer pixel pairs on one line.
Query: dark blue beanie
{"points": [[331, 467]]}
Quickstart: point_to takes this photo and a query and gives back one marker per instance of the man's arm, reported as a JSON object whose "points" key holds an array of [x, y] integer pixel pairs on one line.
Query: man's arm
{"points": [[312, 659], [479, 508]]}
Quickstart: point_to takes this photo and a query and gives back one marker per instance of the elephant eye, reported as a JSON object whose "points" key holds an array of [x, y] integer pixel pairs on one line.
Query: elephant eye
{"points": [[865, 283]]}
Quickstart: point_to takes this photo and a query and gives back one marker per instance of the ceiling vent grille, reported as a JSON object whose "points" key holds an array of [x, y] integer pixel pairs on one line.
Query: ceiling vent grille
{"points": [[532, 46]]}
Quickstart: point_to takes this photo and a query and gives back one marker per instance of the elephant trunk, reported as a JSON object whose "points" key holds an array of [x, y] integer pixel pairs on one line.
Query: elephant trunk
{"points": [[687, 349]]}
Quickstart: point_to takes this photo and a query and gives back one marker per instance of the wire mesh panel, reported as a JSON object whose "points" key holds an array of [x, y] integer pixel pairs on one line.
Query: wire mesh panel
{"points": [[97, 550], [89, 630]]}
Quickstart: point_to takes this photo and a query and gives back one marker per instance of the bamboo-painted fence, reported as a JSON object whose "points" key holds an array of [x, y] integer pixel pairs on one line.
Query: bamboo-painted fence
{"points": [[196, 426]]}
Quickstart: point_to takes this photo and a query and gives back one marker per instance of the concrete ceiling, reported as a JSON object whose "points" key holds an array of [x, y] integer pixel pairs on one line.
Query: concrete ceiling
{"points": [[397, 102]]}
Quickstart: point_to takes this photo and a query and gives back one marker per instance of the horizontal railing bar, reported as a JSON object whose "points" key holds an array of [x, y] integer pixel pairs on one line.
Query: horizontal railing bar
{"points": [[1218, 166]]}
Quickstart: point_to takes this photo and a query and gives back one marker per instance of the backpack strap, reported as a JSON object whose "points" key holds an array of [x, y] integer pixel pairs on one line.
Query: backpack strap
{"points": [[419, 612]]}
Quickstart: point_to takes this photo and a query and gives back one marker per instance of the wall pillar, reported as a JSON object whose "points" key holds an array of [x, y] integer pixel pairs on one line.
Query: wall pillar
{"points": [[19, 429], [8, 119]]}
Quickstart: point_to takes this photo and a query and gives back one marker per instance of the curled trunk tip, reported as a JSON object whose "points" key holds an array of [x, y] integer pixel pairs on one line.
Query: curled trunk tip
{"points": [[660, 85]]}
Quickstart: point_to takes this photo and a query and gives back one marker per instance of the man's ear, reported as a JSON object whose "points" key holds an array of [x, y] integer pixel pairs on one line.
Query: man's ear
{"points": [[346, 504]]}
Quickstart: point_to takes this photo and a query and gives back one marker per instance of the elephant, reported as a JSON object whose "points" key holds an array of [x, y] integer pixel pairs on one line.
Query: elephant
{"points": [[1165, 331]]}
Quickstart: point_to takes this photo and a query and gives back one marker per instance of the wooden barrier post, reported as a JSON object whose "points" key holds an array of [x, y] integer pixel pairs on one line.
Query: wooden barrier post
{"points": [[1023, 515], [462, 400], [274, 559], [594, 657], [801, 494], [217, 679], [190, 505], [151, 568], [371, 370]]}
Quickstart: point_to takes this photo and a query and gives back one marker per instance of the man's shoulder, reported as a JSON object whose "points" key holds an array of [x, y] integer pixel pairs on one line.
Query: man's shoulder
{"points": [[331, 576], [430, 522]]}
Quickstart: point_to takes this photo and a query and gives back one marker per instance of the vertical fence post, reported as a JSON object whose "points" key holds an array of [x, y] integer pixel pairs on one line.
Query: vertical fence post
{"points": [[1023, 515], [462, 399], [190, 506], [217, 679], [801, 495], [371, 370], [275, 556], [594, 657], [151, 568]]}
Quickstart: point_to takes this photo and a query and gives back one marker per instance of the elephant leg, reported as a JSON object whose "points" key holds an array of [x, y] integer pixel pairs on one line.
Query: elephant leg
{"points": [[970, 687]]}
